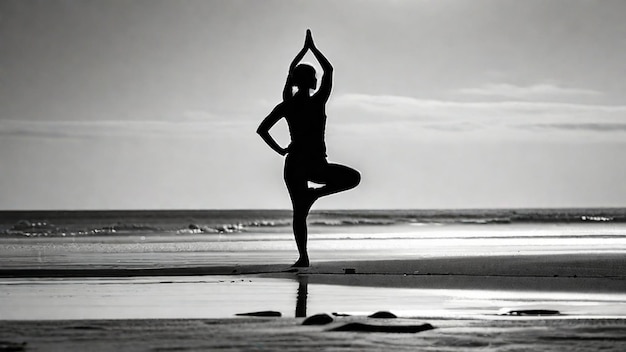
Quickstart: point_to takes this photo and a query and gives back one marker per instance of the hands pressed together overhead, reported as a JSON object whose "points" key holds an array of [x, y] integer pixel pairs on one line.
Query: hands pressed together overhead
{"points": [[308, 41]]}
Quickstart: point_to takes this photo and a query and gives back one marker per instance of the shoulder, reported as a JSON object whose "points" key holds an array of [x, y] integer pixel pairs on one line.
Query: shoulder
{"points": [[281, 107], [319, 98]]}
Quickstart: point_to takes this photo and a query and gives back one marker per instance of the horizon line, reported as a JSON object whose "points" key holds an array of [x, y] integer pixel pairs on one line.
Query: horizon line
{"points": [[317, 210]]}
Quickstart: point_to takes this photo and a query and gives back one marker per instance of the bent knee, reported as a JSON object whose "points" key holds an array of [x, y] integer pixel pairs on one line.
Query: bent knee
{"points": [[355, 178]]}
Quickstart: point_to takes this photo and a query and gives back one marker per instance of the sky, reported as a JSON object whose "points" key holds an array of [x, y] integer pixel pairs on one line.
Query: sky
{"points": [[154, 104]]}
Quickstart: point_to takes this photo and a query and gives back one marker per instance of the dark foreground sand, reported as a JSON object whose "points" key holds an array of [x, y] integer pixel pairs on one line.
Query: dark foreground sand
{"points": [[287, 334]]}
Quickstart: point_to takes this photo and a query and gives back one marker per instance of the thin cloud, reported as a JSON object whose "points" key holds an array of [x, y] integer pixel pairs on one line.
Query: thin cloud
{"points": [[597, 127], [385, 108], [114, 128], [455, 127], [27, 133], [536, 91]]}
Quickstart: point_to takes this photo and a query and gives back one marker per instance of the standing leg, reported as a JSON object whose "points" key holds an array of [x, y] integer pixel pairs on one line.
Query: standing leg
{"points": [[300, 231], [301, 199]]}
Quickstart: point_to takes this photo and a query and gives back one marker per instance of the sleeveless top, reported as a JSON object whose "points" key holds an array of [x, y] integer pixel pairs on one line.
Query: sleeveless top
{"points": [[307, 124]]}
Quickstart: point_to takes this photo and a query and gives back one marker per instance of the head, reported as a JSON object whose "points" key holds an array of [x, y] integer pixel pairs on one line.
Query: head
{"points": [[303, 77]]}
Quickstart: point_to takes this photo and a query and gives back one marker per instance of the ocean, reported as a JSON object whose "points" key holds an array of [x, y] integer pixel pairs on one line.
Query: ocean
{"points": [[175, 222], [184, 238]]}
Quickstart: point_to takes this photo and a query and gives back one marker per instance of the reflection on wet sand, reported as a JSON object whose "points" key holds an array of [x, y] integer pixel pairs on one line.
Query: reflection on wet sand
{"points": [[303, 286]]}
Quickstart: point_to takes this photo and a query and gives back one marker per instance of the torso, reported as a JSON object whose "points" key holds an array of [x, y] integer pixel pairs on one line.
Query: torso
{"points": [[306, 117]]}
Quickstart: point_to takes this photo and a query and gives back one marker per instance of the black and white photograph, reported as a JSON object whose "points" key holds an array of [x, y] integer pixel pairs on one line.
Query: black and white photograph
{"points": [[328, 175]]}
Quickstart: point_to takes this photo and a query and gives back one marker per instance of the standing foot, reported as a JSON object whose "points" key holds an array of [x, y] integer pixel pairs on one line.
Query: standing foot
{"points": [[301, 263]]}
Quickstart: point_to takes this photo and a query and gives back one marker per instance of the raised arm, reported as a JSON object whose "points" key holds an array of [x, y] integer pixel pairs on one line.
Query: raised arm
{"points": [[287, 93], [327, 79], [267, 124]]}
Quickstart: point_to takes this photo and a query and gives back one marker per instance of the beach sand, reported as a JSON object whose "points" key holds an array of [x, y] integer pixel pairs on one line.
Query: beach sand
{"points": [[287, 334], [193, 308]]}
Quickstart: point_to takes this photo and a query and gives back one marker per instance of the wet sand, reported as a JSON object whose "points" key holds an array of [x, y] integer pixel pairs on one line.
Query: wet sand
{"points": [[192, 308], [605, 272]]}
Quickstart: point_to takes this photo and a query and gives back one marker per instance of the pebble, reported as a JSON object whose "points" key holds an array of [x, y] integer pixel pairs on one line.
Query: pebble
{"points": [[318, 319]]}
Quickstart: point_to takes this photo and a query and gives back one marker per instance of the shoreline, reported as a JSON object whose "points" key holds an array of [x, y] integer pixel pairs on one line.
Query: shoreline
{"points": [[582, 265], [581, 273]]}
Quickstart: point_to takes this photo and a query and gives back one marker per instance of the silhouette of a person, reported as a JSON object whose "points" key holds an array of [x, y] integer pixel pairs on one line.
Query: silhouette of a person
{"points": [[306, 154]]}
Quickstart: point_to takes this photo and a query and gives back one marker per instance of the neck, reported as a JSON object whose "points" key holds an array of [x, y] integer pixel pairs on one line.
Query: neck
{"points": [[306, 92]]}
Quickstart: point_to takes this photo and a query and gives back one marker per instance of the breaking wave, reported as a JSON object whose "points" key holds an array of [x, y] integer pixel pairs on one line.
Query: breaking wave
{"points": [[98, 223]]}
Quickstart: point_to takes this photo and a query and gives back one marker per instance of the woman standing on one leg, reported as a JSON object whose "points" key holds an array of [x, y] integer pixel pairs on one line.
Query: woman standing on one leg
{"points": [[306, 154]]}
